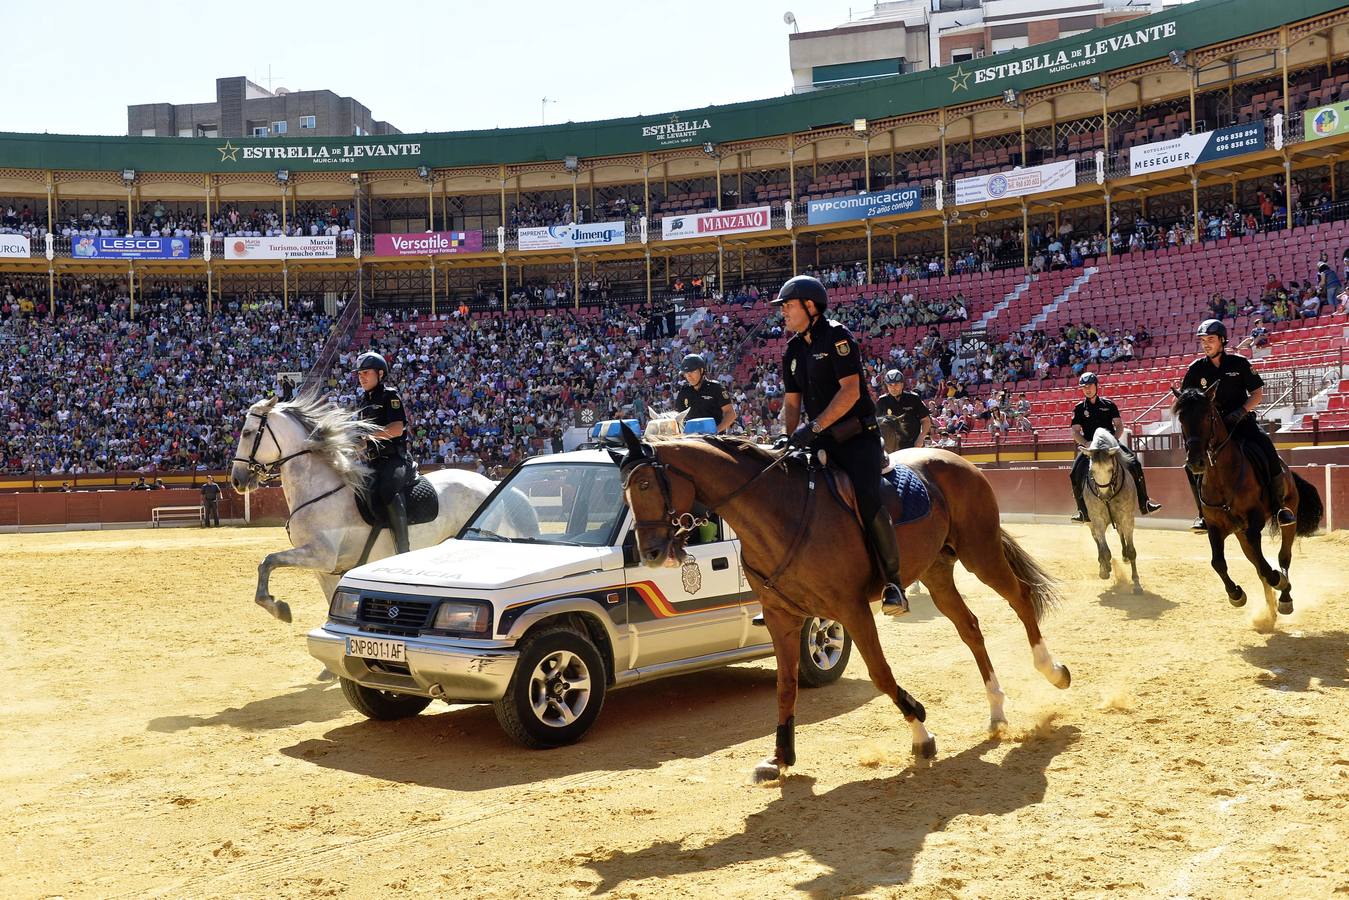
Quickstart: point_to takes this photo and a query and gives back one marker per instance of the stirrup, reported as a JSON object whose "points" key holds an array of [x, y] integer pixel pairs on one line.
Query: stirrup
{"points": [[1150, 506], [893, 601], [1199, 525], [1078, 516], [1285, 517]]}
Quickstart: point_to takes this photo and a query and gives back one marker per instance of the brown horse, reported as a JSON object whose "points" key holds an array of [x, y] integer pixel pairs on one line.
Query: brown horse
{"points": [[778, 508], [1235, 501]]}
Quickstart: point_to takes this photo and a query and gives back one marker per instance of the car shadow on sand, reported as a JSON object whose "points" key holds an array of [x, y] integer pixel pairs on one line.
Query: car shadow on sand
{"points": [[313, 702], [1292, 662], [641, 727], [881, 843], [1146, 605]]}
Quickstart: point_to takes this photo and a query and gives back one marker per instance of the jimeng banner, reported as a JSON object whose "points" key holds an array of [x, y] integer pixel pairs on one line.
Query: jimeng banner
{"points": [[1190, 149], [555, 237], [280, 248], [1017, 182], [864, 206], [759, 218]]}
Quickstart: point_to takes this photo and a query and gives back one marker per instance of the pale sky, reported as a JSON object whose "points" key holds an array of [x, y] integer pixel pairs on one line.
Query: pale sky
{"points": [[422, 66]]}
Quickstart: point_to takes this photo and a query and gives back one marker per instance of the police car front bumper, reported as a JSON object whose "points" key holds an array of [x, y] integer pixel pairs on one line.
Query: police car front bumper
{"points": [[432, 667]]}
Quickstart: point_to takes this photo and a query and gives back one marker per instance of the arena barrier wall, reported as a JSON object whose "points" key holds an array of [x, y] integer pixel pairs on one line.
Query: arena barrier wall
{"points": [[91, 508]]}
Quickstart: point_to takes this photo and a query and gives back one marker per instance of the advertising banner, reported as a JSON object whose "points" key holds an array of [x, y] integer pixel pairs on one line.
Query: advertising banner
{"points": [[864, 206], [1017, 182], [759, 218], [1189, 149], [130, 248], [1325, 121], [428, 243], [15, 246], [280, 248], [554, 237]]}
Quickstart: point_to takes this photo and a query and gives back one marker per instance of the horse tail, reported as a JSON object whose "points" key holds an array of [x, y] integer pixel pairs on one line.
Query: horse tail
{"points": [[1044, 592], [1309, 506]]}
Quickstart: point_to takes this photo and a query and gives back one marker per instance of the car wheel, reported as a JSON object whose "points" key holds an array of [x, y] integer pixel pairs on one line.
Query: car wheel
{"points": [[383, 705], [825, 649], [557, 689]]}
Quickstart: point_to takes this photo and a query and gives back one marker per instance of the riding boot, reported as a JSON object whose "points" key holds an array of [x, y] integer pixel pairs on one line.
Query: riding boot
{"points": [[1081, 504], [1145, 505], [1199, 524], [1278, 490], [398, 523], [881, 534]]}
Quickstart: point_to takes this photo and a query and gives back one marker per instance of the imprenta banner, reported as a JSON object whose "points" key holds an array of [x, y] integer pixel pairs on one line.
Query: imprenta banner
{"points": [[428, 243], [1017, 182], [557, 237], [760, 218], [15, 246], [280, 247], [1190, 149], [864, 206]]}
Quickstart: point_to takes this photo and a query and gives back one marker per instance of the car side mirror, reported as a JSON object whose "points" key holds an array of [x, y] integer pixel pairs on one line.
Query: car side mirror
{"points": [[630, 555]]}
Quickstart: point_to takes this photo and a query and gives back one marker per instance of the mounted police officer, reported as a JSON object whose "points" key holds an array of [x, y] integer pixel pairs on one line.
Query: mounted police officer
{"points": [[906, 406], [703, 397], [388, 449], [1091, 413], [822, 372], [1237, 395]]}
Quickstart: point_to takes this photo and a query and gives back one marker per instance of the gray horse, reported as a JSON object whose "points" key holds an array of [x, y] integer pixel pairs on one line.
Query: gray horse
{"points": [[1111, 500]]}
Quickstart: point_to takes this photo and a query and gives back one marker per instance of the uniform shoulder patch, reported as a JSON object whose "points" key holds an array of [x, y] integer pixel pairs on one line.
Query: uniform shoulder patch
{"points": [[842, 348], [395, 403]]}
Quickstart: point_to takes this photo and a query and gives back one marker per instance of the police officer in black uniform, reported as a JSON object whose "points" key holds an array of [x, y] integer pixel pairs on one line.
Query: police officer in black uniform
{"points": [[1091, 413], [1239, 392], [822, 372], [387, 453], [703, 397], [906, 406]]}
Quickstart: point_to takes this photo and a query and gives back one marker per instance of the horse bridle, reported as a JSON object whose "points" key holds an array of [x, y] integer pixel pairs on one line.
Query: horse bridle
{"points": [[265, 472], [1212, 452], [1115, 484]]}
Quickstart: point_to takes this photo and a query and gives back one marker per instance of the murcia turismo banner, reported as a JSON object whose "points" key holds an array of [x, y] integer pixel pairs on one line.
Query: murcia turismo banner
{"points": [[864, 206], [759, 218], [15, 246], [429, 243], [1017, 182], [555, 237], [280, 248], [88, 247], [1325, 121], [1190, 149]]}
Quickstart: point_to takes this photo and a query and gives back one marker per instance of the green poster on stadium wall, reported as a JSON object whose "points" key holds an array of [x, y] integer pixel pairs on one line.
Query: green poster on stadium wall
{"points": [[1325, 121], [1101, 50]]}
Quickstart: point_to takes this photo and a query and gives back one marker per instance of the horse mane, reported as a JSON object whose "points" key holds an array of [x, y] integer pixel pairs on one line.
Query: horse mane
{"points": [[1189, 399], [335, 435], [1103, 440]]}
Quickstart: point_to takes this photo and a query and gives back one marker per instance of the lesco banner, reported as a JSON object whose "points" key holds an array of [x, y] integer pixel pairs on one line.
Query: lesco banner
{"points": [[760, 218], [88, 247], [428, 243], [15, 246], [280, 247], [863, 206], [1190, 149], [1017, 182], [1325, 121], [554, 237]]}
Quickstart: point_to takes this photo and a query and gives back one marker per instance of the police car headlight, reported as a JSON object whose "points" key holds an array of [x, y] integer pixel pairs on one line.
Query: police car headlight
{"points": [[344, 605], [459, 615]]}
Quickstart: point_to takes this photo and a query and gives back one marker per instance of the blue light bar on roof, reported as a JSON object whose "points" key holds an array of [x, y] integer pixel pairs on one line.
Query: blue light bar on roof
{"points": [[613, 429], [700, 426]]}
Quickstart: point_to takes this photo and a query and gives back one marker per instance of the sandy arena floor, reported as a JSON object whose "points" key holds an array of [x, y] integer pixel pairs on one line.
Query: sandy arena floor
{"points": [[164, 737]]}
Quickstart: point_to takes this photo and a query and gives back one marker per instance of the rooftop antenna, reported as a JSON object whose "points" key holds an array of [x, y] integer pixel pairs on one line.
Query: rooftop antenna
{"points": [[270, 78], [543, 109], [790, 19]]}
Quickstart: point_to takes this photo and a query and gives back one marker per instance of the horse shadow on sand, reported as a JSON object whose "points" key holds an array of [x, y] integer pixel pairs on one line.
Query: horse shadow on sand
{"points": [[1145, 605], [464, 748], [1292, 662], [901, 811], [313, 702]]}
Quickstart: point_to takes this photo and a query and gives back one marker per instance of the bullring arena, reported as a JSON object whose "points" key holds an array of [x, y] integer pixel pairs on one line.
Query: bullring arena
{"points": [[991, 226]]}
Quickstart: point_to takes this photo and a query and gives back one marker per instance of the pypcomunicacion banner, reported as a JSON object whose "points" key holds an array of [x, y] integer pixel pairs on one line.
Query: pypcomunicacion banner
{"points": [[864, 206]]}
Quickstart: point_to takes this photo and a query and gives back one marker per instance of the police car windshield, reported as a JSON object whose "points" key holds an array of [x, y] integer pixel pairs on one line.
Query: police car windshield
{"points": [[577, 504]]}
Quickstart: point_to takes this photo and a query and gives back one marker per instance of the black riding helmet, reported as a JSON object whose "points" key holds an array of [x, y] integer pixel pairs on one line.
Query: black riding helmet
{"points": [[1212, 326], [894, 376], [692, 363], [1088, 378], [803, 287], [372, 360]]}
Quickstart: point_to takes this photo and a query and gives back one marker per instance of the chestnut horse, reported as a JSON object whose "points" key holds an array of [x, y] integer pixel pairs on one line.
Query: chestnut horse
{"points": [[805, 556], [1235, 501]]}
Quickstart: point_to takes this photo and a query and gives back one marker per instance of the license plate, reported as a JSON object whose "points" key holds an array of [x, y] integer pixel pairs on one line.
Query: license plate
{"points": [[373, 648]]}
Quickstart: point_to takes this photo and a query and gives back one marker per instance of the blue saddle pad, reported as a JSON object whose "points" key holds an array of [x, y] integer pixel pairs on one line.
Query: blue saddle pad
{"points": [[912, 492]]}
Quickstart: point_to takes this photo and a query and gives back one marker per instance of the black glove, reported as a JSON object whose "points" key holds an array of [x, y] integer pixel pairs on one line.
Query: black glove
{"points": [[781, 442], [1233, 419], [803, 436]]}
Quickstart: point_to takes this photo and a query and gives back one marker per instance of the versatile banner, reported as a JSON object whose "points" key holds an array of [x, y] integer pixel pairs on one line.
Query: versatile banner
{"points": [[1189, 149], [280, 247], [1017, 182], [130, 248], [555, 237], [1325, 121], [15, 246], [428, 243], [864, 206], [760, 218]]}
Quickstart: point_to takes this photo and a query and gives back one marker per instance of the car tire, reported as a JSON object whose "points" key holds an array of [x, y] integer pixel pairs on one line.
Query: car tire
{"points": [[826, 648], [557, 689], [385, 706]]}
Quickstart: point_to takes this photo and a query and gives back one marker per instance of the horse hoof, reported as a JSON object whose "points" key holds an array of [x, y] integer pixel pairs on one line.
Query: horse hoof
{"points": [[1238, 599], [1105, 574], [1285, 607], [997, 728], [1063, 678], [767, 771], [927, 749], [1138, 588]]}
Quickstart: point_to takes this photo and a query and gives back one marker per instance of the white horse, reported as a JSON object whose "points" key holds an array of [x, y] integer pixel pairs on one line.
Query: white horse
{"points": [[1111, 500], [316, 449]]}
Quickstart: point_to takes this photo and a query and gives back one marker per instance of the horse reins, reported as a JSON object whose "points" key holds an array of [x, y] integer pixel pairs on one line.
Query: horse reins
{"points": [[265, 472]]}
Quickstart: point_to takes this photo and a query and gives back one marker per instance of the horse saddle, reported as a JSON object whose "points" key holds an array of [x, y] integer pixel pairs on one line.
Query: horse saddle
{"points": [[420, 498], [903, 493]]}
